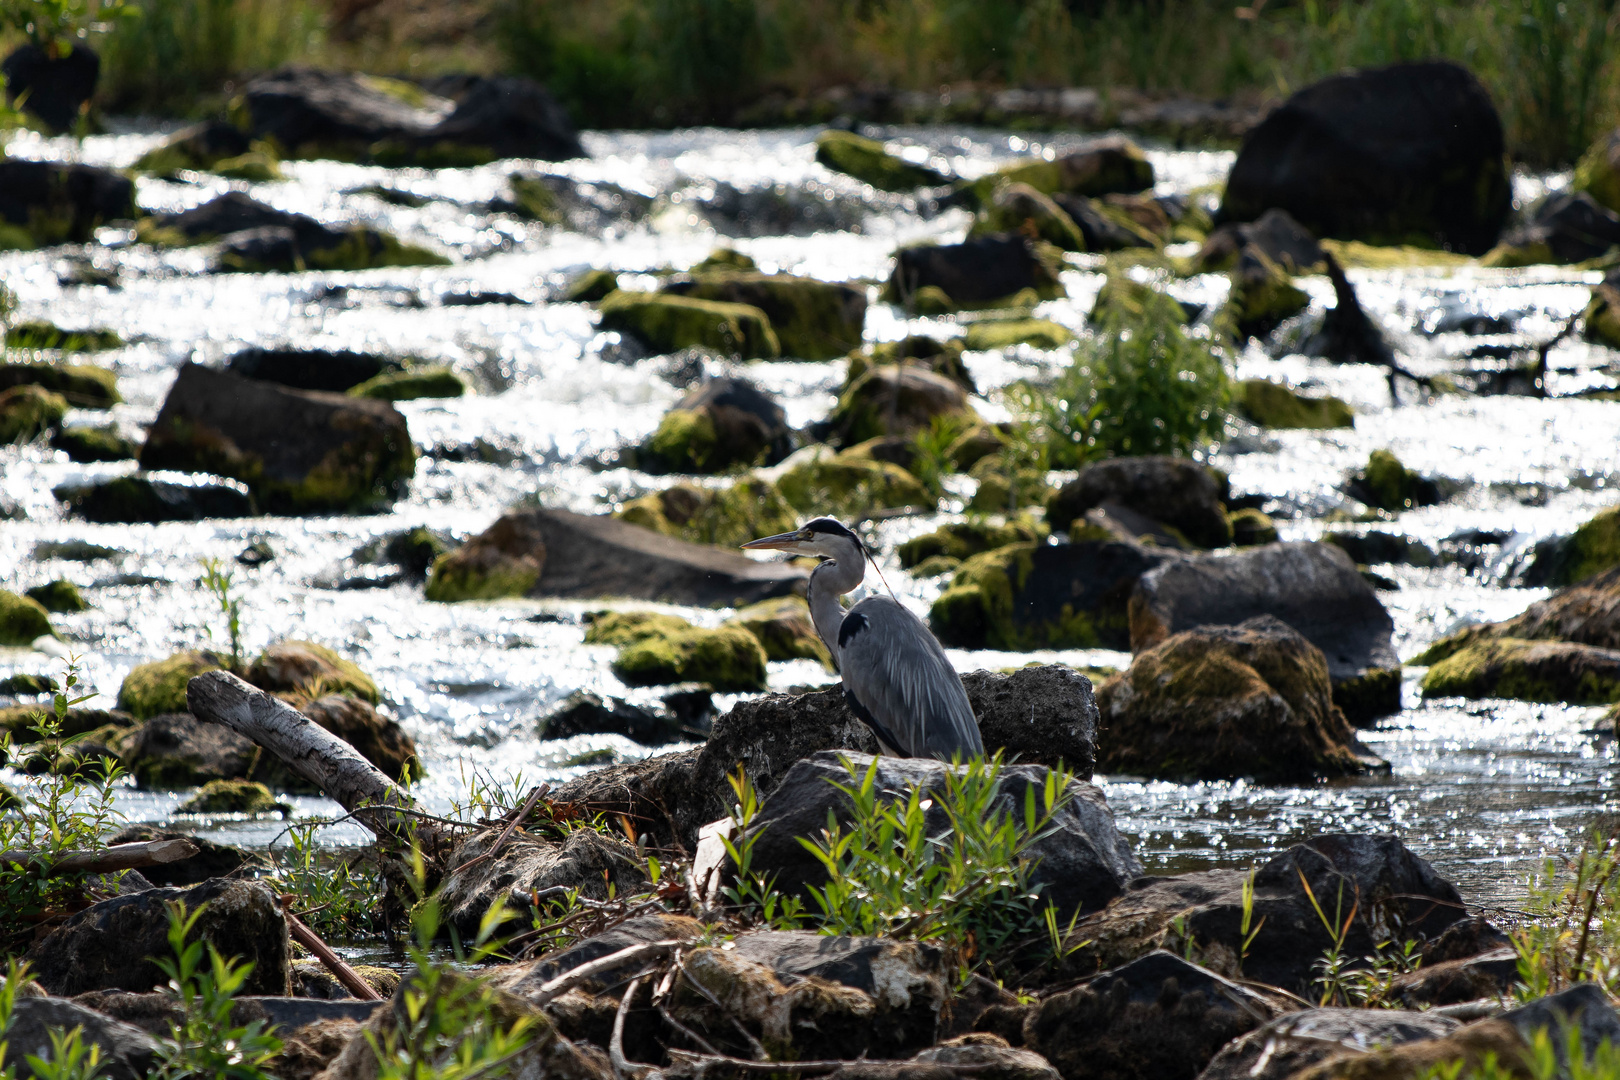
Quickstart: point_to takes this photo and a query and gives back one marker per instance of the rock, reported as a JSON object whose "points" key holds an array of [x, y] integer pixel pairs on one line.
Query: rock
{"points": [[1037, 595], [414, 385], [18, 720], [1015, 208], [212, 859], [53, 88], [1287, 1045], [232, 797], [587, 861], [160, 687], [503, 560], [1570, 227], [601, 556], [81, 385], [1156, 1017], [1451, 982], [525, 978], [814, 480], [1382, 155], [1200, 913], [1275, 234], [27, 412], [894, 400], [723, 422], [334, 370], [1598, 171], [666, 323], [784, 630], [965, 539], [915, 350], [297, 667], [38, 334], [49, 202], [126, 1053], [1250, 527], [1375, 547], [867, 161], [413, 550], [1262, 295], [176, 751], [22, 620], [662, 649], [377, 738], [589, 286], [58, 596], [1180, 493], [990, 334], [1508, 667], [87, 444], [1388, 485], [1106, 166], [985, 1055], [299, 451], [812, 320], [142, 499], [310, 113], [310, 979], [307, 1051], [109, 945], [725, 517], [501, 116], [585, 713], [986, 271], [1214, 702], [200, 147], [1592, 549], [1081, 864], [1272, 405]]}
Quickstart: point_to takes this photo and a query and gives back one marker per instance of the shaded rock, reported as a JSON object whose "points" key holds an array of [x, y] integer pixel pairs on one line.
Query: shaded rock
{"points": [[232, 797], [503, 560], [160, 686], [1274, 233], [894, 400], [307, 1050], [501, 116], [914, 350], [662, 649], [784, 630], [1591, 549], [1347, 334], [127, 1053], [1262, 295], [1570, 227], [1251, 527], [18, 720], [1392, 890], [142, 499], [1020, 209], [378, 738], [1082, 863], [587, 861], [299, 451], [1388, 485], [1376, 547], [981, 272], [589, 286], [723, 422], [109, 945], [525, 978], [666, 323], [29, 411], [49, 202], [812, 320], [51, 87], [311, 113], [1279, 1049], [1156, 1017], [334, 370], [1508, 667], [153, 1012], [1106, 166], [1450, 982], [22, 619], [86, 444], [867, 161], [258, 238], [200, 146], [82, 385], [985, 1055], [585, 713], [212, 860], [1251, 700], [724, 517], [1386, 155], [177, 750], [965, 539], [1175, 491]]}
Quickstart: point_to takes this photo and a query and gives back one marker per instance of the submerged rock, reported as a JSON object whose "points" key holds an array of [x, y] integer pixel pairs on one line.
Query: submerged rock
{"points": [[812, 320], [982, 272], [1174, 491], [666, 323], [866, 160], [58, 596], [1273, 405], [232, 797], [1106, 166], [1285, 1046], [434, 381]]}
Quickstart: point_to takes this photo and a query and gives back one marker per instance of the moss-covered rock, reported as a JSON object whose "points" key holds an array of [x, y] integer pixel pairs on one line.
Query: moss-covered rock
{"points": [[965, 539], [504, 560], [725, 517], [1370, 696], [980, 608], [1590, 550], [1019, 208], [310, 670], [141, 499], [1388, 485], [936, 566], [83, 385], [1103, 168], [666, 324], [160, 687], [867, 161], [1602, 315], [232, 797], [1125, 301], [1007, 270], [724, 258], [974, 445], [1504, 667], [426, 382], [43, 335], [657, 649], [721, 424], [895, 400], [847, 484], [1272, 405], [1598, 171], [1262, 295], [60, 595], [28, 411], [628, 627], [812, 320], [915, 350], [1007, 483], [589, 286], [1251, 526], [784, 630], [1004, 333], [22, 620], [215, 146], [90, 444]]}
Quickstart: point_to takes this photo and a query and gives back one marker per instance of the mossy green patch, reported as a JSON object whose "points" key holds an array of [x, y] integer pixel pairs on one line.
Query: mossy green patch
{"points": [[657, 649], [1020, 208], [784, 630], [477, 571], [686, 442], [965, 539], [232, 797], [1007, 485], [1251, 526], [725, 517], [590, 286], [1262, 295], [1598, 171], [866, 160], [977, 610], [668, 324], [850, 485], [43, 335], [1388, 485], [425, 382], [82, 385], [812, 320], [628, 627], [60, 595], [724, 258], [160, 687], [1004, 333], [22, 619], [28, 411], [1592, 549], [1547, 671], [88, 444], [1272, 405], [1511, 256]]}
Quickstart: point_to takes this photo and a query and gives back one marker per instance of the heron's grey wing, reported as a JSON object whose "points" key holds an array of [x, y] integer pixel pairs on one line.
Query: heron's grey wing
{"points": [[897, 673]]}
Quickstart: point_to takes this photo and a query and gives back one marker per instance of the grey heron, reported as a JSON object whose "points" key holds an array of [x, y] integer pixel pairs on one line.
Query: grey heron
{"points": [[896, 676]]}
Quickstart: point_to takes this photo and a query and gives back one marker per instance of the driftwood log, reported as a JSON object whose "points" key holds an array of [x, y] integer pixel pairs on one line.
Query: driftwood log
{"points": [[109, 860]]}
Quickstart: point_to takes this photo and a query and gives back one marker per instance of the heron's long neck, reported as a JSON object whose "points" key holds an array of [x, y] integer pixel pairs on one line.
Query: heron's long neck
{"points": [[828, 582]]}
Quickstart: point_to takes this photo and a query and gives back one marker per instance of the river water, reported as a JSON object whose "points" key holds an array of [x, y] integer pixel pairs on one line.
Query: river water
{"points": [[1483, 789]]}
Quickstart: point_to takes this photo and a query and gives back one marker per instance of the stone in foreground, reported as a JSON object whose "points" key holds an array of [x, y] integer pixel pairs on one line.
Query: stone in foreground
{"points": [[1288, 1044]]}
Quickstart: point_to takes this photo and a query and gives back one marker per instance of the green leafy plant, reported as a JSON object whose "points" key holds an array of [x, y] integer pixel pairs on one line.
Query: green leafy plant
{"points": [[750, 889], [931, 458], [17, 976], [1333, 968], [217, 580], [338, 894], [53, 24], [207, 1043], [70, 1058], [1248, 929], [1576, 934]]}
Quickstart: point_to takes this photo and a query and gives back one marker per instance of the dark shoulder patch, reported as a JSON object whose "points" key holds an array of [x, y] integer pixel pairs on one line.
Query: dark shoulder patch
{"points": [[853, 624]]}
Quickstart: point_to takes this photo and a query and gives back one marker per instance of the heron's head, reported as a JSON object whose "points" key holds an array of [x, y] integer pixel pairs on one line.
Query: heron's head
{"points": [[824, 537]]}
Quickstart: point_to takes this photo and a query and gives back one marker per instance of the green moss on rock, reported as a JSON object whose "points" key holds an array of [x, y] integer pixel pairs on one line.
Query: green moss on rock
{"points": [[965, 539], [866, 160], [311, 671], [1547, 671], [848, 484], [232, 797], [426, 382], [1004, 333], [668, 324], [1591, 549], [1598, 171], [725, 517], [1251, 526], [160, 687], [657, 649], [1388, 485], [44, 335], [504, 560], [28, 411], [628, 627], [1262, 295], [83, 385], [590, 286], [812, 320], [1007, 485], [22, 620], [978, 607], [784, 630], [724, 258], [936, 566], [85, 444], [60, 595], [1272, 405], [1019, 208]]}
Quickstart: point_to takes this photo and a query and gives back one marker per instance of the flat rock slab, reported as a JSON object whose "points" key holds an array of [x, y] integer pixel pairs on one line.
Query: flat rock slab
{"points": [[1279, 1049]]}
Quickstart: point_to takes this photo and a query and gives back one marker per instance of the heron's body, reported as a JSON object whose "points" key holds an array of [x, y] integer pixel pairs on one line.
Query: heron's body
{"points": [[896, 676]]}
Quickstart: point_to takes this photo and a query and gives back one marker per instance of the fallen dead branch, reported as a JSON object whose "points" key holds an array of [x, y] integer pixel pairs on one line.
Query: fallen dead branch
{"points": [[340, 969], [108, 860]]}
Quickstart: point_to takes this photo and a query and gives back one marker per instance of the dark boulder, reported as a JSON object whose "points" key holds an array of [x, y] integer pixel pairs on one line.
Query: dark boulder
{"points": [[985, 270], [110, 945], [585, 713], [143, 499], [1174, 491], [57, 203], [258, 238], [211, 861], [894, 399], [1212, 702], [1275, 234], [1288, 1044], [595, 864], [527, 977], [1082, 862], [1392, 892], [311, 113], [53, 88], [299, 451], [1450, 982], [127, 1053], [1387, 156], [509, 117], [1527, 670], [1569, 227], [1100, 230], [334, 370], [813, 320], [1156, 1018], [177, 750]]}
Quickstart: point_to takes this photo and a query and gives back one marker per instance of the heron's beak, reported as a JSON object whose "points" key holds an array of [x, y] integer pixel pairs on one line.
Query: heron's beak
{"points": [[783, 541]]}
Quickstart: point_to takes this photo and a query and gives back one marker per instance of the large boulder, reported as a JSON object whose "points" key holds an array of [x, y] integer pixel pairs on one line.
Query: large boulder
{"points": [[1586, 614], [597, 865], [126, 1052], [110, 945], [1082, 862], [586, 556], [335, 370], [1173, 491], [813, 320], [1374, 882], [53, 87], [1213, 702], [1387, 156], [981, 272], [1313, 587], [48, 202], [299, 451], [894, 399], [1284, 1046], [176, 750], [724, 422], [657, 649]]}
